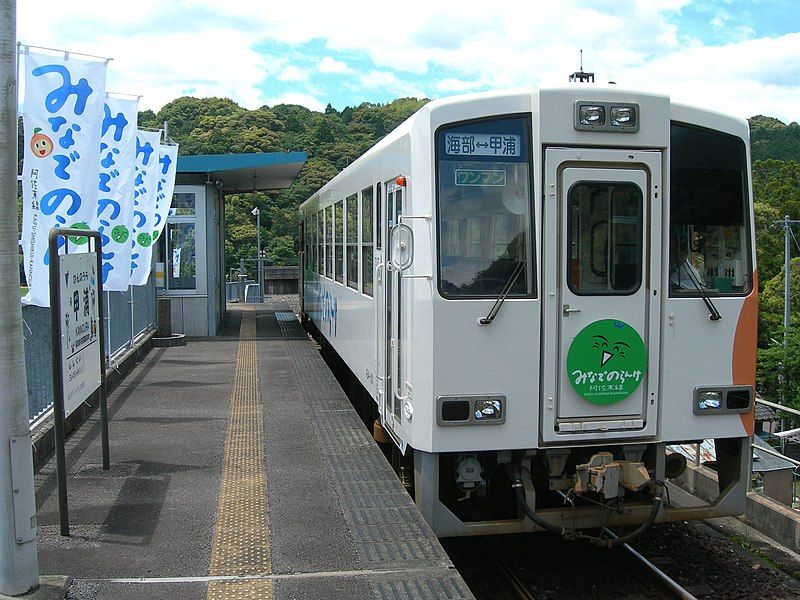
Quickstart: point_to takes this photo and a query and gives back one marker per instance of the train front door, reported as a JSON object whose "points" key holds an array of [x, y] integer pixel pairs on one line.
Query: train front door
{"points": [[602, 275], [388, 302]]}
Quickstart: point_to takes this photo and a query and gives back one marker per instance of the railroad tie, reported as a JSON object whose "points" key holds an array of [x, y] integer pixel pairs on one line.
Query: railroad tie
{"points": [[241, 536]]}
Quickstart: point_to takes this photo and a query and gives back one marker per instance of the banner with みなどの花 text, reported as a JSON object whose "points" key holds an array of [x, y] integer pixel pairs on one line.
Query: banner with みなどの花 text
{"points": [[115, 204], [167, 169], [62, 117], [145, 193]]}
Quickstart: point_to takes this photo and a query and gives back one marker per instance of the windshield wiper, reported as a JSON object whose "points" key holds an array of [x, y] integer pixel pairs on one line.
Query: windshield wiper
{"points": [[714, 316], [487, 320]]}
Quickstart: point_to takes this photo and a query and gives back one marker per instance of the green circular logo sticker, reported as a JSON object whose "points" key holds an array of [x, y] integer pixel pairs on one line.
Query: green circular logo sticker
{"points": [[606, 361], [144, 240]]}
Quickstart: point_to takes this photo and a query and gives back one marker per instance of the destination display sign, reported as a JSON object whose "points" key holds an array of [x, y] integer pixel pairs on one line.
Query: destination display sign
{"points": [[482, 144], [80, 328], [481, 177]]}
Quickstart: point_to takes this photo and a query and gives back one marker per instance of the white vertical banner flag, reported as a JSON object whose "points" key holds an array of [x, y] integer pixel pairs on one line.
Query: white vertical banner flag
{"points": [[115, 204], [63, 112], [145, 191], [168, 167]]}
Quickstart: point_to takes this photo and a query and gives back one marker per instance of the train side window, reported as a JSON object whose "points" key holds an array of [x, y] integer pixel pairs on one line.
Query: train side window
{"points": [[378, 221], [338, 242], [320, 242], [709, 243], [484, 207], [366, 240], [351, 210], [604, 238], [329, 242]]}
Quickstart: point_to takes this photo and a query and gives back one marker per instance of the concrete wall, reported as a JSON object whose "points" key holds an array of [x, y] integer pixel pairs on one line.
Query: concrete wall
{"points": [[775, 520], [281, 280]]}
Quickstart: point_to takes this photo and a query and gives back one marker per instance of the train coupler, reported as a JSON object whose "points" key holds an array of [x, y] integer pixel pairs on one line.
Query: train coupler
{"points": [[604, 474]]}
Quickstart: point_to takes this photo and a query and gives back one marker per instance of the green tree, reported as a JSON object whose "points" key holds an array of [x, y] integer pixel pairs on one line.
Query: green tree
{"points": [[778, 373]]}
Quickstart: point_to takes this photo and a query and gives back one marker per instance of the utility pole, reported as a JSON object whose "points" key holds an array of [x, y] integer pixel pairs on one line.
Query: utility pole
{"points": [[786, 223], [257, 213], [19, 567]]}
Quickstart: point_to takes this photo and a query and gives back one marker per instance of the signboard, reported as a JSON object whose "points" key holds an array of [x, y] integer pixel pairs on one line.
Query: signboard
{"points": [[482, 144], [606, 361], [480, 177], [80, 328]]}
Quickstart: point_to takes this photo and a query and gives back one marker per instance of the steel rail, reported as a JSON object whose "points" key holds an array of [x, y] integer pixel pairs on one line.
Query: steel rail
{"points": [[508, 576], [670, 583]]}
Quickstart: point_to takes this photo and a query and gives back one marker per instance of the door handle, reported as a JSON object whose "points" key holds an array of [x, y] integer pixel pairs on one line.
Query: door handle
{"points": [[568, 310]]}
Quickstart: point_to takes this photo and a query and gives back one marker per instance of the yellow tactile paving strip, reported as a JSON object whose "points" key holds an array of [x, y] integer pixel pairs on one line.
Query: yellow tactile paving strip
{"points": [[241, 534]]}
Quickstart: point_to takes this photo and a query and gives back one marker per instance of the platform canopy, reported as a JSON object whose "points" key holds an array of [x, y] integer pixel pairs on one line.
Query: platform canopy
{"points": [[239, 173]]}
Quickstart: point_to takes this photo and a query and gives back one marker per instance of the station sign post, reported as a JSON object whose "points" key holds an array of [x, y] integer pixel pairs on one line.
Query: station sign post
{"points": [[76, 317]]}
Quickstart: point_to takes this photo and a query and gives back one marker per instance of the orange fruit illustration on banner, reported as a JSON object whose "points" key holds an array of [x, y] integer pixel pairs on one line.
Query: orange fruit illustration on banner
{"points": [[41, 145]]}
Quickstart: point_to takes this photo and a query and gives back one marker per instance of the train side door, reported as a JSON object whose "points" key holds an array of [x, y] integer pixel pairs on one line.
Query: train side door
{"points": [[388, 300], [602, 257]]}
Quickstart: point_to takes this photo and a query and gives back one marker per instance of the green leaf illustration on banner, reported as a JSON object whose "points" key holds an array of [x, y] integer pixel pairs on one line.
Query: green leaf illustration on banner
{"points": [[606, 361], [79, 240], [144, 240]]}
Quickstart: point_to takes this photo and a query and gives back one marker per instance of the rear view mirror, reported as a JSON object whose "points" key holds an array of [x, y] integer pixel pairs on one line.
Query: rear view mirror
{"points": [[401, 243]]}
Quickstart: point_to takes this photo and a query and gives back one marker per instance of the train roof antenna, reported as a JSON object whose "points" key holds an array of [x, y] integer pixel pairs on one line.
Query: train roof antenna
{"points": [[581, 76]]}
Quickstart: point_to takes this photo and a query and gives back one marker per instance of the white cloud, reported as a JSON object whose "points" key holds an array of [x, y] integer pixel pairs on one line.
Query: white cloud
{"points": [[163, 48], [307, 100], [292, 73], [331, 65]]}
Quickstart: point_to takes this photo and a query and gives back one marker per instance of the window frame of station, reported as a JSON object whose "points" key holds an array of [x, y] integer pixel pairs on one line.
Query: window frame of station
{"points": [[532, 255], [197, 219], [747, 223], [326, 247]]}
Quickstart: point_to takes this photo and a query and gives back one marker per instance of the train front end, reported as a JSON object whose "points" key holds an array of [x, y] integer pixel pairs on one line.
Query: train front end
{"points": [[592, 302]]}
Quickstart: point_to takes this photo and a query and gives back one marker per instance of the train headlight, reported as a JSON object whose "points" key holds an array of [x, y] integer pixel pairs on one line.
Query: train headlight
{"points": [[709, 400], [488, 410], [623, 116], [592, 115], [609, 117]]}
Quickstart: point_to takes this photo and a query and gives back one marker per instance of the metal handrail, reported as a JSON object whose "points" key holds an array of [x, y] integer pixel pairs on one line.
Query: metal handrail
{"points": [[794, 411], [775, 453]]}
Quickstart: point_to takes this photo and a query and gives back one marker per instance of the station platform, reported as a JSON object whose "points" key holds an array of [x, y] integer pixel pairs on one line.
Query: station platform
{"points": [[239, 470]]}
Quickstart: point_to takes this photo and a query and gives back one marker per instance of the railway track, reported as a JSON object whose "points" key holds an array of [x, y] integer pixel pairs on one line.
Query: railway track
{"points": [[532, 567]]}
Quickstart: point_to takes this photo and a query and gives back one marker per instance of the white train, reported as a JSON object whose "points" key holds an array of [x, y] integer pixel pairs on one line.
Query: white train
{"points": [[539, 290]]}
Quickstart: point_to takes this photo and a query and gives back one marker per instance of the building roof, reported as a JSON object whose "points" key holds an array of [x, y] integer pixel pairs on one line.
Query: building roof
{"points": [[762, 461], [766, 413], [240, 173]]}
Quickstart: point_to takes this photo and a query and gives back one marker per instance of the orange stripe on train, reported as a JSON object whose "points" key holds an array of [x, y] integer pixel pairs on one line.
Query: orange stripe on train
{"points": [[743, 364]]}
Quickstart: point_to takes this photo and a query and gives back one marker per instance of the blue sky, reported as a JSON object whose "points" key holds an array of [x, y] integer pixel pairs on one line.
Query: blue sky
{"points": [[739, 56]]}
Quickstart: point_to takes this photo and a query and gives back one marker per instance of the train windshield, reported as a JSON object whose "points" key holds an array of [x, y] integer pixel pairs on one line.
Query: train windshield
{"points": [[709, 245], [484, 207]]}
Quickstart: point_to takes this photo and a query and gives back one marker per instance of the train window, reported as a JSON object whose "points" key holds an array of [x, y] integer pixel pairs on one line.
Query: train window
{"points": [[709, 245], [351, 210], [484, 207], [314, 242], [329, 242], [366, 240], [320, 254], [604, 238], [378, 221], [338, 242]]}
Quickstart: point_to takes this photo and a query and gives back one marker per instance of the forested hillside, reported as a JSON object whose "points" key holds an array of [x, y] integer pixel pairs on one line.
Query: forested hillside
{"points": [[332, 140]]}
